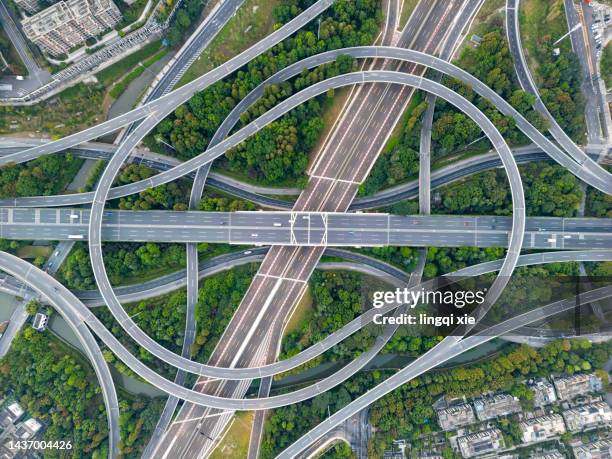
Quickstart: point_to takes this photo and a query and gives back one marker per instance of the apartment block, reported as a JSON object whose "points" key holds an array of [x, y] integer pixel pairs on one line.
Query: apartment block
{"points": [[543, 393], [542, 428], [601, 449], [569, 387], [552, 454], [30, 6], [483, 442], [492, 406], [588, 417], [456, 416], [66, 24]]}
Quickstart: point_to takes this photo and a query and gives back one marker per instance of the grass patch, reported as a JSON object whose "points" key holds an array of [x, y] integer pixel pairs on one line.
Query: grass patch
{"points": [[252, 22], [122, 85], [72, 110], [488, 13], [115, 71], [408, 7], [539, 19], [33, 251], [302, 311], [236, 442], [606, 65]]}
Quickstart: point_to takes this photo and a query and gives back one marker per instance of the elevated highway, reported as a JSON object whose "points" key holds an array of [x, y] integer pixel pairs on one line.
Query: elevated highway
{"points": [[305, 228]]}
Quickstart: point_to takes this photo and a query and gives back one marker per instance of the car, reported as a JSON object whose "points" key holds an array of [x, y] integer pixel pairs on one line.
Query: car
{"points": [[50, 264], [248, 252], [253, 234], [277, 224], [56, 253]]}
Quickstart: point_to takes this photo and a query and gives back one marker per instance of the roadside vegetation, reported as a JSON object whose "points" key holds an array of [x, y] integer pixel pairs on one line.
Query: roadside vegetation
{"points": [[253, 21], [47, 175], [558, 77], [218, 298], [598, 204], [606, 65], [56, 384], [550, 190], [280, 151], [74, 109]]}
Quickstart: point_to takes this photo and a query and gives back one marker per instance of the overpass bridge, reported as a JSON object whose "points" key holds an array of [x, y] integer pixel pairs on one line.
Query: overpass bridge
{"points": [[304, 228]]}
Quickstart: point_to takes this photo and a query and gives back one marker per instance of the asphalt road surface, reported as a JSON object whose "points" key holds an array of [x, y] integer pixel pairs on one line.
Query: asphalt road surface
{"points": [[305, 228]]}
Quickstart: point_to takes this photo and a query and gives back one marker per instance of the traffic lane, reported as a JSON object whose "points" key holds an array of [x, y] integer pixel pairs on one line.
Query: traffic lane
{"points": [[362, 112], [399, 96]]}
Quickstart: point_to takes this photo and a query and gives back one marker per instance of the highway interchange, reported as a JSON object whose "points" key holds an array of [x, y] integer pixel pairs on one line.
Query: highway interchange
{"points": [[331, 190]]}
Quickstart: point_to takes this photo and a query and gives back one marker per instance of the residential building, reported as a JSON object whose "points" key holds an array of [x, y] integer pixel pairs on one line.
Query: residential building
{"points": [[552, 454], [481, 442], [543, 393], [28, 429], [492, 406], [29, 6], [40, 321], [456, 416], [601, 449], [586, 417], [10, 415], [542, 428], [67, 24], [569, 387]]}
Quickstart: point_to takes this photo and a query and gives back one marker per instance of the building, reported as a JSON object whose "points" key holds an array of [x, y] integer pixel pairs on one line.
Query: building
{"points": [[492, 406], [67, 24], [40, 321], [456, 416], [552, 454], [481, 442], [10, 415], [569, 387], [29, 6], [543, 393], [28, 429], [587, 417], [541, 428], [601, 449]]}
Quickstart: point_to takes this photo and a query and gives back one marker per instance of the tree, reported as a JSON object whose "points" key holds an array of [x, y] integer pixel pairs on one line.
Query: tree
{"points": [[32, 307]]}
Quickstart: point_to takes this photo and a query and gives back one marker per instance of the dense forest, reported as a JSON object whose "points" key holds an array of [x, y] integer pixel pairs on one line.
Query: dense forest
{"points": [[125, 262], [57, 386], [43, 176], [280, 151], [550, 190]]}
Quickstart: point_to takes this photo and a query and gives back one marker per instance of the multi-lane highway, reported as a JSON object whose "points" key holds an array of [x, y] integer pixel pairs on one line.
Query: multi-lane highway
{"points": [[305, 228]]}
